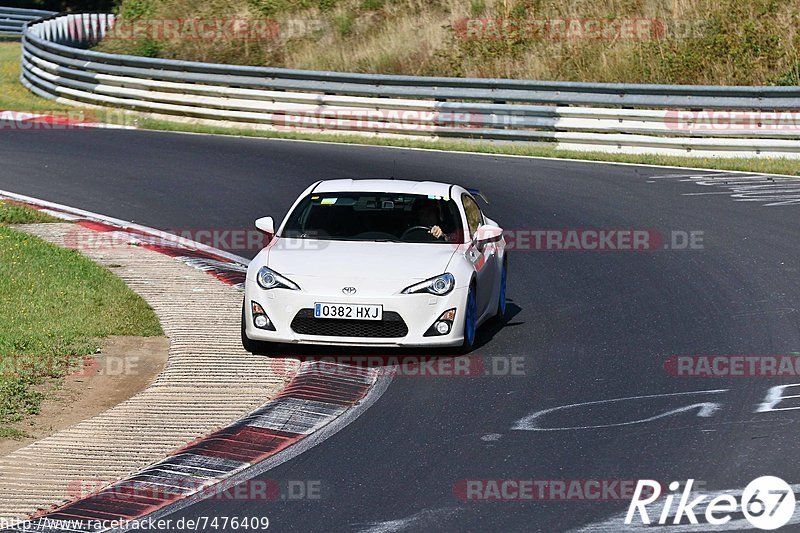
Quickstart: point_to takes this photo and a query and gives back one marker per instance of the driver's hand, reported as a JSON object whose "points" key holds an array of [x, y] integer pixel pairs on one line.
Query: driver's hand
{"points": [[436, 231]]}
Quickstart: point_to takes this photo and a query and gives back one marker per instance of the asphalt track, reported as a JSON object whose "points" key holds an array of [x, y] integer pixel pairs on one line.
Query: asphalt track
{"points": [[590, 326]]}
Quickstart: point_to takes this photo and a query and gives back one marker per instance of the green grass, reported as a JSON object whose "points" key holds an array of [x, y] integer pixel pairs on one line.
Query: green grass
{"points": [[13, 95], [344, 23], [11, 433], [11, 213], [55, 305]]}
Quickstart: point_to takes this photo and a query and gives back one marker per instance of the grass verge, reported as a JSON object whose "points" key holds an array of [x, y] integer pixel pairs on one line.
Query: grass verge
{"points": [[14, 96], [54, 306], [11, 213]]}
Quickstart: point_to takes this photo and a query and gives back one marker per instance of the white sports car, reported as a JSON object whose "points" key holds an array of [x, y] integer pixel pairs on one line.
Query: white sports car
{"points": [[376, 263]]}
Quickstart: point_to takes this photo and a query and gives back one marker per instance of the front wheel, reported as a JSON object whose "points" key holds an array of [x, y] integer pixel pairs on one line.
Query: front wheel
{"points": [[470, 321]]}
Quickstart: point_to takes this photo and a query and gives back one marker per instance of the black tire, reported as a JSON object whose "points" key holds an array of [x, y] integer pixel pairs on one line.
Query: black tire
{"points": [[254, 347]]}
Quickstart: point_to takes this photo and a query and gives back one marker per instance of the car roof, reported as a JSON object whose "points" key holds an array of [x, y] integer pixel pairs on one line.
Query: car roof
{"points": [[389, 186]]}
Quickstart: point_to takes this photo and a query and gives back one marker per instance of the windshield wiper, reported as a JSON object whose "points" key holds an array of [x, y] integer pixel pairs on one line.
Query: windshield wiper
{"points": [[353, 239]]}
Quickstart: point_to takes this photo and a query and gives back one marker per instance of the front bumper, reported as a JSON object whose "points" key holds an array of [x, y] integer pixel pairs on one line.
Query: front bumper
{"points": [[417, 311]]}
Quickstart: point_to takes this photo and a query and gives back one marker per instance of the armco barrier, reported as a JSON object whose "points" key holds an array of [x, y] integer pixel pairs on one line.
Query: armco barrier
{"points": [[13, 19], [625, 118]]}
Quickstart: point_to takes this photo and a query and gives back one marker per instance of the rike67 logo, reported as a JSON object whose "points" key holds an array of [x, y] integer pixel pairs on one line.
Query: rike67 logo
{"points": [[767, 503]]}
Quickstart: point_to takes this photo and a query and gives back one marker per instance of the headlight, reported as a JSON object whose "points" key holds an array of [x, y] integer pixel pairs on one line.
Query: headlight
{"points": [[269, 279], [440, 285]]}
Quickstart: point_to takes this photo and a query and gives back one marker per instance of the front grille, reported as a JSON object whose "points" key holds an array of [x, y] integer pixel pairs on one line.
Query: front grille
{"points": [[392, 325]]}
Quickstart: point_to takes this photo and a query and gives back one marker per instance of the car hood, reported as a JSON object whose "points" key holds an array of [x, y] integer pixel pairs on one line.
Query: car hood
{"points": [[375, 266]]}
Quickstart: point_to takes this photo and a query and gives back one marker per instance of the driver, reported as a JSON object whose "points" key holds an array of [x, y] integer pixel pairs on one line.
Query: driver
{"points": [[428, 215]]}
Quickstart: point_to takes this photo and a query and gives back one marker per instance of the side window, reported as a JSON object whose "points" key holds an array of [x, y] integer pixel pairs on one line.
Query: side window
{"points": [[474, 217]]}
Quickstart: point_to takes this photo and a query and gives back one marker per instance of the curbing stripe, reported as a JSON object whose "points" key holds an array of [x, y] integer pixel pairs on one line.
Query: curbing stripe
{"points": [[25, 121], [207, 261], [294, 416]]}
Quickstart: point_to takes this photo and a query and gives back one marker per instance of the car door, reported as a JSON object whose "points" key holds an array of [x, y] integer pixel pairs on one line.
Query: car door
{"points": [[482, 257]]}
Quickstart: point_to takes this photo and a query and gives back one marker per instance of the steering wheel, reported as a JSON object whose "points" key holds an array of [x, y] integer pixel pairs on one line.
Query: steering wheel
{"points": [[415, 228]]}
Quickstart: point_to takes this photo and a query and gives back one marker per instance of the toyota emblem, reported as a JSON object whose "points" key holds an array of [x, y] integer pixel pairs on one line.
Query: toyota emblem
{"points": [[349, 290]]}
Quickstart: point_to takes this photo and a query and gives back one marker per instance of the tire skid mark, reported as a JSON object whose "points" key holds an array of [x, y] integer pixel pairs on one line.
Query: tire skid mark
{"points": [[771, 190]]}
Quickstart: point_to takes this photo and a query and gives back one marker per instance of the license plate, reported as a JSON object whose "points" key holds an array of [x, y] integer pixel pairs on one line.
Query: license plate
{"points": [[348, 311]]}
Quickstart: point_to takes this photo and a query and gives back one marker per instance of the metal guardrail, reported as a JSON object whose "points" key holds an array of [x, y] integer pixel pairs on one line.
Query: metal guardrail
{"points": [[13, 19], [57, 64]]}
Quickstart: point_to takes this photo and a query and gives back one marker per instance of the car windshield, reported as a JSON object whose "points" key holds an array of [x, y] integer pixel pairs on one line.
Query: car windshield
{"points": [[381, 217]]}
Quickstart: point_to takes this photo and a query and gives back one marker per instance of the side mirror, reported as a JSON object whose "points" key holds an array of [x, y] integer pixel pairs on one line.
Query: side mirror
{"points": [[486, 234], [266, 224]]}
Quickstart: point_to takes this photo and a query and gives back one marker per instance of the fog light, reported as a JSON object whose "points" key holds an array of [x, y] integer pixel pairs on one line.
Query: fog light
{"points": [[443, 324], [260, 318]]}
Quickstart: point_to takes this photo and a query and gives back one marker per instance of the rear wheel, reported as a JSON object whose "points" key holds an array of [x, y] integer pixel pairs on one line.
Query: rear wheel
{"points": [[254, 347], [470, 321]]}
